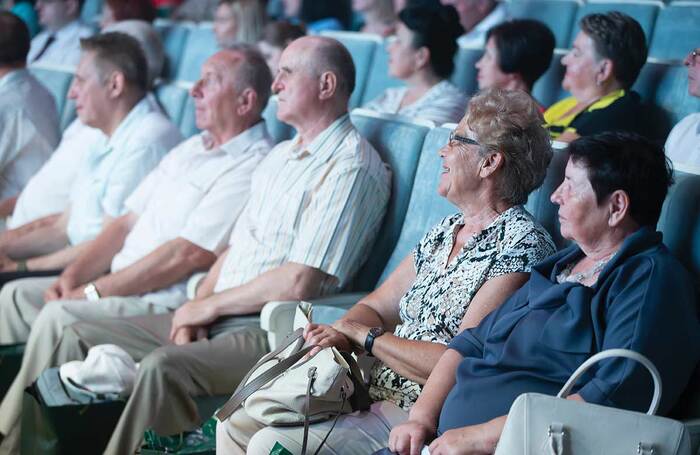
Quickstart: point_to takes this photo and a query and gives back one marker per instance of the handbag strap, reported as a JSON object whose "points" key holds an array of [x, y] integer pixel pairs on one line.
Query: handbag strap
{"points": [[360, 399], [610, 353]]}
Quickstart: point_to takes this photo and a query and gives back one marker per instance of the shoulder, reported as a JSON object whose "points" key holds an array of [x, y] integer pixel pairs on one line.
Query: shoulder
{"points": [[689, 125], [437, 233], [521, 228], [557, 109], [153, 127]]}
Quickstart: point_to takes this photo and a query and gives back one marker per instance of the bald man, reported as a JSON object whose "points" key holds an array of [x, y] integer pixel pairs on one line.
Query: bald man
{"points": [[316, 206]]}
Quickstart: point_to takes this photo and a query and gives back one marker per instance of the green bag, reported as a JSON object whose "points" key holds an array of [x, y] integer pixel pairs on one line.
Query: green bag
{"points": [[202, 441], [10, 362]]}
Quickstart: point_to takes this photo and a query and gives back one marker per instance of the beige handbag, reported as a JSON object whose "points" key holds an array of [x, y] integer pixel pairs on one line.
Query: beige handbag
{"points": [[286, 389]]}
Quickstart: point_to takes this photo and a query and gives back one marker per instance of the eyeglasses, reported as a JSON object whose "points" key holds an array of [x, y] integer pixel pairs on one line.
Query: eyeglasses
{"points": [[693, 57], [463, 139]]}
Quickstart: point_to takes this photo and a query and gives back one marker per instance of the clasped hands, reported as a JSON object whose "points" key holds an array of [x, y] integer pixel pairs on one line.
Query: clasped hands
{"points": [[344, 335]]}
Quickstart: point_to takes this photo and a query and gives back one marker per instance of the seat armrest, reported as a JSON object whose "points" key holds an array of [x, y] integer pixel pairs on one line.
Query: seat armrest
{"points": [[693, 427], [340, 300], [193, 283]]}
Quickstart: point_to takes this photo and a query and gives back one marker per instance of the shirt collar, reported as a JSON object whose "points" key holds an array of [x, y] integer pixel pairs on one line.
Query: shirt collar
{"points": [[242, 142], [339, 128]]}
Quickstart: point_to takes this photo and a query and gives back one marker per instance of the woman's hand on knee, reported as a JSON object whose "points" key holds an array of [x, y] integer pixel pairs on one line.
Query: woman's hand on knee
{"points": [[410, 437]]}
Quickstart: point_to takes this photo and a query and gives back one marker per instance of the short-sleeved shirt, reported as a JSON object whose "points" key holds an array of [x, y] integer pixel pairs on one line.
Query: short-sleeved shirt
{"points": [[65, 48], [111, 171], [476, 37], [619, 110], [29, 129], [195, 193], [643, 300], [319, 205], [434, 306], [683, 144], [443, 103]]}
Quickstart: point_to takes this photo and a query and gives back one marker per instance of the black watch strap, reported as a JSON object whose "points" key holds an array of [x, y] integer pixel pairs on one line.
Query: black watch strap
{"points": [[373, 333]]}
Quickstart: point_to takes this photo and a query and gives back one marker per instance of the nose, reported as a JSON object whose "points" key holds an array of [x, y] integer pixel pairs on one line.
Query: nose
{"points": [[556, 196], [276, 84], [72, 91], [688, 61], [196, 90]]}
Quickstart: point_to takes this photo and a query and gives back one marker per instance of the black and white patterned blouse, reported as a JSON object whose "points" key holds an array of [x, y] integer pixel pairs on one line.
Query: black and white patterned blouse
{"points": [[434, 307]]}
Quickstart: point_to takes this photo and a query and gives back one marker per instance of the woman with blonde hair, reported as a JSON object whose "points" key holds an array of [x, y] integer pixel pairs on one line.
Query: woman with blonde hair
{"points": [[239, 21]]}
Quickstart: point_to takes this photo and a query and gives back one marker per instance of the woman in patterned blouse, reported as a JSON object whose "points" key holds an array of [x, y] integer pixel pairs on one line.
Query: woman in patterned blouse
{"points": [[460, 271]]}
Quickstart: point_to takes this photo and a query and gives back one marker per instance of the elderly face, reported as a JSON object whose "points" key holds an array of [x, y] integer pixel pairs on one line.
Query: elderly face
{"points": [[54, 14], [489, 74], [296, 84], [581, 218], [215, 97], [461, 163], [692, 62], [93, 101], [402, 54], [582, 65], [225, 25]]}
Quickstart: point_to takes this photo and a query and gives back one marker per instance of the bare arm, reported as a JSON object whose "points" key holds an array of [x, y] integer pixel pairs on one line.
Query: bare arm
{"points": [[206, 287], [11, 235], [43, 236], [7, 206], [58, 260]]}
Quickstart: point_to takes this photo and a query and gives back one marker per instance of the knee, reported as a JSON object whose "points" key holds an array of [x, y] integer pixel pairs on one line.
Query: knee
{"points": [[160, 361], [52, 314]]}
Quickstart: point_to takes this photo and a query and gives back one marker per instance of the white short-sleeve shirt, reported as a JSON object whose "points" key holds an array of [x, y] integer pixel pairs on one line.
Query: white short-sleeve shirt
{"points": [[29, 129], [113, 168], [476, 37], [65, 48], [320, 205], [683, 144], [195, 193]]}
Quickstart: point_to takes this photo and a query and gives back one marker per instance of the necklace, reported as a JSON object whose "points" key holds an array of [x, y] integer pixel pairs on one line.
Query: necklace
{"points": [[566, 276]]}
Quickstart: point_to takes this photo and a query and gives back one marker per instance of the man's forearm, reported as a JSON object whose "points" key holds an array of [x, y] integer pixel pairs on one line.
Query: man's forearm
{"points": [[40, 241], [7, 206], [166, 265], [11, 235], [58, 260], [427, 408]]}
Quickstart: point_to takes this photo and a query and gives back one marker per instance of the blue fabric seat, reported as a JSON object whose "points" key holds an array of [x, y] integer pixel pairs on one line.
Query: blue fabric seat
{"points": [[399, 142], [174, 37], [677, 31], [378, 78], [91, 11], [172, 97], [547, 89], [464, 75], [200, 45], [558, 15], [279, 130], [188, 125], [644, 13], [57, 81]]}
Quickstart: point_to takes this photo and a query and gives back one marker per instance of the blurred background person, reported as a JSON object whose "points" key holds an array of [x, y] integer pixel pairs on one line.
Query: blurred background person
{"points": [[477, 17], [378, 16], [121, 10], [59, 43], [195, 10], [683, 144], [25, 10], [276, 37], [239, 22], [318, 16]]}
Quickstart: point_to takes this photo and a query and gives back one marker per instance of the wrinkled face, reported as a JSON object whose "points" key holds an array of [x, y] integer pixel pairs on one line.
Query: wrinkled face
{"points": [[54, 14], [489, 74], [271, 54], [581, 219], [90, 92], [402, 54], [461, 163], [214, 93], [296, 85], [692, 62], [582, 65], [225, 26], [362, 5], [107, 18], [292, 7]]}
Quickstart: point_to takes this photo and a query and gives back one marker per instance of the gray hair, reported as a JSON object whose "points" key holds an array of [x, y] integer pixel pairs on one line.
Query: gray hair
{"points": [[253, 73], [150, 42]]}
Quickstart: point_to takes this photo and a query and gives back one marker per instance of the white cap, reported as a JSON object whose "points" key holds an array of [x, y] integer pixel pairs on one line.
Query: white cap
{"points": [[107, 369]]}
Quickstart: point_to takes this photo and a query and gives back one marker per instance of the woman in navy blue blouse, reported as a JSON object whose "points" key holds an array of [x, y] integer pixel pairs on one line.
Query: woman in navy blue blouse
{"points": [[619, 287]]}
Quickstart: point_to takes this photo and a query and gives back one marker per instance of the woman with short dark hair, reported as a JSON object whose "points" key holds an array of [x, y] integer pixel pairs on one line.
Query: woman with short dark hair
{"points": [[422, 55], [605, 60], [319, 15]]}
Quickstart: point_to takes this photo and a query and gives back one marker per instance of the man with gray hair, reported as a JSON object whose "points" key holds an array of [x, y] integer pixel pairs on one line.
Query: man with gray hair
{"points": [[316, 206], [477, 17], [177, 221]]}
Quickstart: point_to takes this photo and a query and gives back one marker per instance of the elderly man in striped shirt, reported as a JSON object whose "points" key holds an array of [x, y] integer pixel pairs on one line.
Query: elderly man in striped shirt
{"points": [[316, 206]]}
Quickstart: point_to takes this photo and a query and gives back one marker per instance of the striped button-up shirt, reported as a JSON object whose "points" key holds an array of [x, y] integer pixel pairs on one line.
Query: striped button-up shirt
{"points": [[319, 205]]}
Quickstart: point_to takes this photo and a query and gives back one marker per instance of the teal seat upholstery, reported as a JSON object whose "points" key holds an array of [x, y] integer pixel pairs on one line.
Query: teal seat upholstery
{"points": [[558, 15], [378, 78], [644, 13], [666, 86], [200, 45], [279, 130], [425, 207], [547, 89], [57, 81], [399, 142], [188, 125], [174, 37], [91, 11], [677, 31], [68, 115], [464, 75], [172, 97], [362, 47]]}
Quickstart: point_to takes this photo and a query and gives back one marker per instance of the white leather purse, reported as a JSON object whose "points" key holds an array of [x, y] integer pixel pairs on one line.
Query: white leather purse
{"points": [[545, 425]]}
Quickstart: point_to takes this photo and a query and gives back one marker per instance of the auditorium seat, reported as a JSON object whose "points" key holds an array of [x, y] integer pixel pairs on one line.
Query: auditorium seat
{"points": [[644, 12], [279, 130], [677, 31], [172, 97], [362, 47], [464, 75], [399, 142], [199, 46], [547, 89], [557, 14], [671, 92], [174, 37], [91, 11], [378, 78], [57, 80], [188, 125]]}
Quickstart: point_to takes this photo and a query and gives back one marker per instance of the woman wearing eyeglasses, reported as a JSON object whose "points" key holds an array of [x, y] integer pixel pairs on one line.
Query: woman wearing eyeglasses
{"points": [[462, 269], [683, 144]]}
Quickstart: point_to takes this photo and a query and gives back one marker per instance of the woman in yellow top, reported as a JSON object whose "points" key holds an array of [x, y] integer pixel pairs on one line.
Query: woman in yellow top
{"points": [[605, 60]]}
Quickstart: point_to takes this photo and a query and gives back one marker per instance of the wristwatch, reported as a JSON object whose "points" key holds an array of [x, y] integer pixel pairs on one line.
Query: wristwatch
{"points": [[374, 332], [91, 293]]}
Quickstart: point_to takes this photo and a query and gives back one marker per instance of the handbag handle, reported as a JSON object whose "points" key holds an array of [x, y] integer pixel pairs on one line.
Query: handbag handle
{"points": [[609, 353]]}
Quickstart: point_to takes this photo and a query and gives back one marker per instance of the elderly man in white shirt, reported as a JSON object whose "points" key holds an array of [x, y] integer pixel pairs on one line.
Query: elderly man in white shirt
{"points": [[109, 88], [683, 144], [178, 219], [316, 205], [59, 43], [477, 17], [29, 126]]}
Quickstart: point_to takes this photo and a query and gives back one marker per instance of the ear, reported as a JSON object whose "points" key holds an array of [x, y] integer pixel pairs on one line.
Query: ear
{"points": [[618, 206], [491, 163], [422, 57], [116, 83], [328, 84], [605, 71], [247, 101]]}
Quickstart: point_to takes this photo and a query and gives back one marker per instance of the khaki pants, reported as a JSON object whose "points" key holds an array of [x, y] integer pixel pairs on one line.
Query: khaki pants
{"points": [[170, 376], [358, 433], [22, 308]]}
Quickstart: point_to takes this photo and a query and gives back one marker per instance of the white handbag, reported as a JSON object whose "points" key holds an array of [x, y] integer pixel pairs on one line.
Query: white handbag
{"points": [[545, 425]]}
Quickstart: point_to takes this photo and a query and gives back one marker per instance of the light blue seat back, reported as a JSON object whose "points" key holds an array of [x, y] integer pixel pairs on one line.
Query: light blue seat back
{"points": [[558, 15], [547, 89], [671, 93], [188, 122], [399, 142], [644, 13], [539, 203], [279, 130], [200, 45], [362, 47], [677, 31], [91, 11], [327, 314], [464, 75], [68, 115], [425, 207], [56, 80], [378, 78], [174, 37], [172, 97]]}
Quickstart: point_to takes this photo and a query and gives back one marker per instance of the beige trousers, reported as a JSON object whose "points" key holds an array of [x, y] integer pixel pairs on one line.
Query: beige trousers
{"points": [[22, 308], [359, 433], [170, 376]]}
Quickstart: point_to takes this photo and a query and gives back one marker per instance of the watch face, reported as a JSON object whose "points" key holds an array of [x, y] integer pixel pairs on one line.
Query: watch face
{"points": [[376, 331]]}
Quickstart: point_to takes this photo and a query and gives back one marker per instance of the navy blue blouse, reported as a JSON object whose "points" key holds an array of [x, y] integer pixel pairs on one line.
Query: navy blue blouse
{"points": [[644, 300]]}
